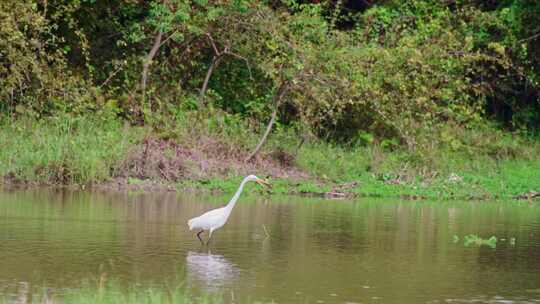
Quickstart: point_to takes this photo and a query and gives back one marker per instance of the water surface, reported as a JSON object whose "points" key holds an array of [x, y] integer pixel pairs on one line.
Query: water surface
{"points": [[318, 251]]}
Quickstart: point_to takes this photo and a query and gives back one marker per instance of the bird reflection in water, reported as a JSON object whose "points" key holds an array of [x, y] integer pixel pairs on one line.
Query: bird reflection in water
{"points": [[212, 271]]}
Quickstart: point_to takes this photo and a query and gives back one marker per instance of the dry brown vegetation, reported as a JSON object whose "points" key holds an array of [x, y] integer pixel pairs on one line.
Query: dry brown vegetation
{"points": [[167, 161]]}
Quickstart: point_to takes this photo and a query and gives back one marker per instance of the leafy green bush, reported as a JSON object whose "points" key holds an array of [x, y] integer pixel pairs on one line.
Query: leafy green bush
{"points": [[412, 74], [34, 76]]}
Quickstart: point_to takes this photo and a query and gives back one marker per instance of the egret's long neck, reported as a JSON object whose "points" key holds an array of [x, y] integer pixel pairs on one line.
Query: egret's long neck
{"points": [[233, 200]]}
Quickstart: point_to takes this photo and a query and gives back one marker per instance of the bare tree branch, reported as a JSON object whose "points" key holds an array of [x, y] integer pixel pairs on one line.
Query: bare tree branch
{"points": [[245, 60], [112, 75], [169, 37], [530, 38], [216, 59], [216, 51]]}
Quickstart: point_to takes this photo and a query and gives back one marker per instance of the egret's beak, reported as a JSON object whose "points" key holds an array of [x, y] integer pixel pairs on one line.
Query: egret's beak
{"points": [[263, 183]]}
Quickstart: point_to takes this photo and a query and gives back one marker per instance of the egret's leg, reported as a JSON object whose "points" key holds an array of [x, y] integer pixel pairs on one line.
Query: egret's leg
{"points": [[199, 236], [209, 236]]}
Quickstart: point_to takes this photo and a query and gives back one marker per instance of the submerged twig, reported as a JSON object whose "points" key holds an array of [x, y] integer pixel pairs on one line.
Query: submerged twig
{"points": [[265, 231]]}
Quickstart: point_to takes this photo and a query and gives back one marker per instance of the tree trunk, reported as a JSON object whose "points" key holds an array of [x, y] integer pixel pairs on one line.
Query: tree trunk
{"points": [[148, 61], [213, 66], [278, 97]]}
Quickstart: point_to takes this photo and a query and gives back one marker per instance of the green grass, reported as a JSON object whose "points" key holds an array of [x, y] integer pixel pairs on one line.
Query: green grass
{"points": [[63, 149], [114, 293], [438, 174], [474, 186], [397, 174], [88, 149]]}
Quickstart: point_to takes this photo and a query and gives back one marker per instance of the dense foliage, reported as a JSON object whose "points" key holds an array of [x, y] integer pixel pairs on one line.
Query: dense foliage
{"points": [[408, 74]]}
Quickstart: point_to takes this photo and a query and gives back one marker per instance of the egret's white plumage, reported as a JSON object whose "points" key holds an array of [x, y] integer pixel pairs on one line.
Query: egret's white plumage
{"points": [[215, 219]]}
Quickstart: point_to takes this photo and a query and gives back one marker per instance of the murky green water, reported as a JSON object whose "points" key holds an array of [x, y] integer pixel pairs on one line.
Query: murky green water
{"points": [[363, 251]]}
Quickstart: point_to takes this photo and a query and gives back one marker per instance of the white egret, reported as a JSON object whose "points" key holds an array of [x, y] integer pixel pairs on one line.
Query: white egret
{"points": [[215, 219]]}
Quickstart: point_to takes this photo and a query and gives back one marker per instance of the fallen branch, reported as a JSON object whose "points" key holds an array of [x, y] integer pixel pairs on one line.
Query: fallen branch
{"points": [[528, 195]]}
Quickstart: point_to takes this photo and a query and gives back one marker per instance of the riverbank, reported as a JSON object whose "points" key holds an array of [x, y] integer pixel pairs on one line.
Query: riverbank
{"points": [[207, 153]]}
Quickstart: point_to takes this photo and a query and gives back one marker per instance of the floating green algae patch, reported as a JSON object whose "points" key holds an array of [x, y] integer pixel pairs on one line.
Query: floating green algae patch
{"points": [[473, 239]]}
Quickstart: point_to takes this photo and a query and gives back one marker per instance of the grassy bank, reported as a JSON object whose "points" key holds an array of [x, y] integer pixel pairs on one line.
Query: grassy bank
{"points": [[207, 152], [63, 150], [504, 180]]}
